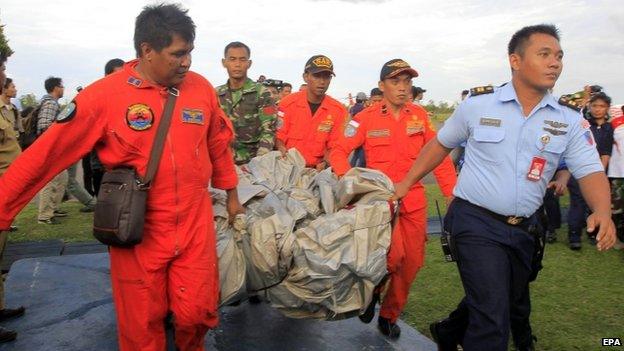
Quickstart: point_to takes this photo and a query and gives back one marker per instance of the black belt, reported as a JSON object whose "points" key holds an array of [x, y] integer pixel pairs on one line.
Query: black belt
{"points": [[515, 221]]}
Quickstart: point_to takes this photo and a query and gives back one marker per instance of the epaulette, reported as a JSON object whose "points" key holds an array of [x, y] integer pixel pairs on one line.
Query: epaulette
{"points": [[565, 100], [487, 89]]}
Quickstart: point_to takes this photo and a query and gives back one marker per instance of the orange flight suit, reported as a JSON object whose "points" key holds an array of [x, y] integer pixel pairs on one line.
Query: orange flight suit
{"points": [[391, 146], [174, 268], [311, 135]]}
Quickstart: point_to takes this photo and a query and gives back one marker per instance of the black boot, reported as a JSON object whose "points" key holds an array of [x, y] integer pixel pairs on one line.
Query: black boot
{"points": [[440, 334], [9, 313], [391, 330], [369, 313], [7, 335]]}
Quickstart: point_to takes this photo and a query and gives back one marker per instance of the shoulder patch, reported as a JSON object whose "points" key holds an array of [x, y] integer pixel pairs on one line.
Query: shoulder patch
{"points": [[67, 114], [565, 100], [486, 89]]}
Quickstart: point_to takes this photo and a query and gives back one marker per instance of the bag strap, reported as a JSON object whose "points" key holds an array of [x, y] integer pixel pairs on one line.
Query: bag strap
{"points": [[159, 141]]}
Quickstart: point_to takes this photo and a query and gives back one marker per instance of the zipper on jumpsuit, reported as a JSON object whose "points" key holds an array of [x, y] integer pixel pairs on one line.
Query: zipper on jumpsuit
{"points": [[175, 180]]}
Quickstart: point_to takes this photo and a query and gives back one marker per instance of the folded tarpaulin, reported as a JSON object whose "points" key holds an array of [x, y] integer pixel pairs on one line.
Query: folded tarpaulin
{"points": [[313, 245]]}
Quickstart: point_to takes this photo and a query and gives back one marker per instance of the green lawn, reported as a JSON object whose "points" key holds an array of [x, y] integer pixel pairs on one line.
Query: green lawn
{"points": [[577, 299]]}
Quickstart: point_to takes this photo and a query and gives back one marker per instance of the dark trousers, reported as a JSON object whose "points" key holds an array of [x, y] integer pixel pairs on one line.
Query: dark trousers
{"points": [[578, 212], [97, 175], [358, 159], [494, 262], [552, 210], [87, 174]]}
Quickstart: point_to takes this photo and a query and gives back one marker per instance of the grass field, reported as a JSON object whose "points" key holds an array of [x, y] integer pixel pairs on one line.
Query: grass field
{"points": [[577, 300]]}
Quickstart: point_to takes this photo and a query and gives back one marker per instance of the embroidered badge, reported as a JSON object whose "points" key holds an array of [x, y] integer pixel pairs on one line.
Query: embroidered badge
{"points": [[555, 124], [589, 137], [585, 124], [351, 128], [492, 122], [134, 81], [414, 127], [378, 133], [325, 127], [67, 113], [192, 116], [555, 131], [139, 117]]}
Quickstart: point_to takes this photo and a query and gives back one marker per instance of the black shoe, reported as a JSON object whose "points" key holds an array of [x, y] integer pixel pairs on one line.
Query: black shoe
{"points": [[551, 237], [60, 213], [391, 330], [439, 338], [369, 313], [48, 221], [13, 228], [529, 345], [87, 209], [575, 246], [254, 299], [592, 240], [7, 335], [9, 313]]}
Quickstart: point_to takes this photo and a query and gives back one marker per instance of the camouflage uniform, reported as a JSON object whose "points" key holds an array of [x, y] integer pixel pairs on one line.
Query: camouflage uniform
{"points": [[253, 113]]}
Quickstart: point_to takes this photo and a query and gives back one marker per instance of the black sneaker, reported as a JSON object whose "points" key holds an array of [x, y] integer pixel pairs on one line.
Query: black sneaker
{"points": [[440, 340], [575, 246], [592, 240], [60, 213], [7, 335], [9, 313], [48, 221], [369, 313], [391, 330], [87, 209], [551, 237]]}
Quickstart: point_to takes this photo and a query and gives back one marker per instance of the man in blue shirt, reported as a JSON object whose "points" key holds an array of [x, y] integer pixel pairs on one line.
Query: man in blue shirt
{"points": [[516, 136]]}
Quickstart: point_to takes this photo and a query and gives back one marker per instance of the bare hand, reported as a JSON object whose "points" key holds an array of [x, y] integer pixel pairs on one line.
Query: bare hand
{"points": [[283, 150], [606, 230], [558, 187], [321, 166], [234, 208], [400, 190]]}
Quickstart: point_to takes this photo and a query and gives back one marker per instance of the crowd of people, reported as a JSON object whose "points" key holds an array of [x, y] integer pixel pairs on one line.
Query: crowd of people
{"points": [[518, 141]]}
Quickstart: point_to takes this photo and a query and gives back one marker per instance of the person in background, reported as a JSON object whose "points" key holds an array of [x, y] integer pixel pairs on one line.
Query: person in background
{"points": [[600, 134]]}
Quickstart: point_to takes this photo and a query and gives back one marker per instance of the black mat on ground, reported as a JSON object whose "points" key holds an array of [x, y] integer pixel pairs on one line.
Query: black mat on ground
{"points": [[18, 251], [87, 247], [69, 307]]}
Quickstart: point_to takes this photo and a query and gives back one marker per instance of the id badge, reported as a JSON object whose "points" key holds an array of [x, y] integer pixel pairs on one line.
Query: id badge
{"points": [[536, 169]]}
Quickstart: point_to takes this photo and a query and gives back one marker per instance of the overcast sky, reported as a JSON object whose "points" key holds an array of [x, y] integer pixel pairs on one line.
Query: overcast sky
{"points": [[453, 44]]}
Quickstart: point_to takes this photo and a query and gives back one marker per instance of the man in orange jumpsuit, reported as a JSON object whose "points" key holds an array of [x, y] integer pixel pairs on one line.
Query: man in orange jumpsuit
{"points": [[310, 120], [174, 268], [392, 133]]}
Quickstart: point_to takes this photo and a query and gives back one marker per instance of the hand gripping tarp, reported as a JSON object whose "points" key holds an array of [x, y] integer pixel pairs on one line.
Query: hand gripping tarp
{"points": [[313, 245]]}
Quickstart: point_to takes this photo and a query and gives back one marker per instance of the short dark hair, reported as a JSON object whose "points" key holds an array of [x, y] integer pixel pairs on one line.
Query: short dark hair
{"points": [[236, 44], [157, 24], [520, 38], [601, 96], [51, 83], [7, 82], [376, 91], [112, 64], [286, 85]]}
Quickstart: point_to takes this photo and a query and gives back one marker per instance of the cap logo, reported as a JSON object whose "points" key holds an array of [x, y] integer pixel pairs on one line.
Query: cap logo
{"points": [[323, 62], [399, 64]]}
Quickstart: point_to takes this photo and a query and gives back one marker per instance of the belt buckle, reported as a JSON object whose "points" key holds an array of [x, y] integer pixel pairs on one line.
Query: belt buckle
{"points": [[513, 220]]}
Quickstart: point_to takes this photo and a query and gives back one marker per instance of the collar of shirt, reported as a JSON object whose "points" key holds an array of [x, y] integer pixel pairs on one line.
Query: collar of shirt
{"points": [[8, 106], [508, 93]]}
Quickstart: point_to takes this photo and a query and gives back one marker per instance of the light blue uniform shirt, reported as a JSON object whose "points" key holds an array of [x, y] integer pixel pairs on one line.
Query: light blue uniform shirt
{"points": [[502, 142]]}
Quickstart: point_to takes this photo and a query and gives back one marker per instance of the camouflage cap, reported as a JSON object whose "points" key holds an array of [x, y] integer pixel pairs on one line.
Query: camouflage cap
{"points": [[395, 67], [319, 63]]}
